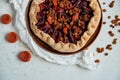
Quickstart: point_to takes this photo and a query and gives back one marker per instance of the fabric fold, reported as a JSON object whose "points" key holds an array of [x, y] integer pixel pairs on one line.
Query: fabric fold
{"points": [[84, 59]]}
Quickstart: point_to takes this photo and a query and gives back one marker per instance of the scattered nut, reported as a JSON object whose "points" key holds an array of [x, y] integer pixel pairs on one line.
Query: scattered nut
{"points": [[111, 33], [111, 5], [114, 41], [115, 21], [109, 47], [100, 50], [104, 10], [106, 54], [104, 3], [97, 61], [119, 30], [118, 23], [112, 26], [109, 17]]}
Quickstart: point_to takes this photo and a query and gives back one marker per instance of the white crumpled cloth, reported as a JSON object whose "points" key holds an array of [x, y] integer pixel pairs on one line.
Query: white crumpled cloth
{"points": [[85, 59]]}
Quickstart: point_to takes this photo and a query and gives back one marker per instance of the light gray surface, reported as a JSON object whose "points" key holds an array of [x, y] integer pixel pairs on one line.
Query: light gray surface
{"points": [[11, 68]]}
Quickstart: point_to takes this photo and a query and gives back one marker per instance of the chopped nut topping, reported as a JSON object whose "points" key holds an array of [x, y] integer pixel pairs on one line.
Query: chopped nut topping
{"points": [[115, 21], [64, 20]]}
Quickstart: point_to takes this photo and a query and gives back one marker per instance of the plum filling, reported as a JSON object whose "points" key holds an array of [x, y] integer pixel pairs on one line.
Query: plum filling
{"points": [[64, 20]]}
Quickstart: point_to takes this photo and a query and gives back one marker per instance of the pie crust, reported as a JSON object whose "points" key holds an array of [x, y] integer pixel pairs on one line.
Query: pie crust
{"points": [[60, 46]]}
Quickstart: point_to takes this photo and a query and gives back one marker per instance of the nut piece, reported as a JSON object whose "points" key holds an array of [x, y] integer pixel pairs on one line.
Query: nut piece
{"points": [[118, 23], [104, 10], [104, 22], [62, 19], [111, 5], [119, 30], [100, 50], [112, 26], [109, 47], [114, 41], [111, 33], [97, 61], [109, 17], [115, 21], [103, 3], [106, 54]]}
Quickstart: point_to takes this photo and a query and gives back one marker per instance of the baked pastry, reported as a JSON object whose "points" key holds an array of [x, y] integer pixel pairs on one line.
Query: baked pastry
{"points": [[65, 25]]}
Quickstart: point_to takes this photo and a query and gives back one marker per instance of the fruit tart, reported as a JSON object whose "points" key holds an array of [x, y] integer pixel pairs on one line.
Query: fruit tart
{"points": [[65, 25]]}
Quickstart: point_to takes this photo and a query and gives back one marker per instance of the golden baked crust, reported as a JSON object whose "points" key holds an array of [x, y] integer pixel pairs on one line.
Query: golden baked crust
{"points": [[60, 46]]}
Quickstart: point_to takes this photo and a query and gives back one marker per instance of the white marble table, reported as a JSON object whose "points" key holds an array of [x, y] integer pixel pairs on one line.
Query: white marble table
{"points": [[11, 68]]}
